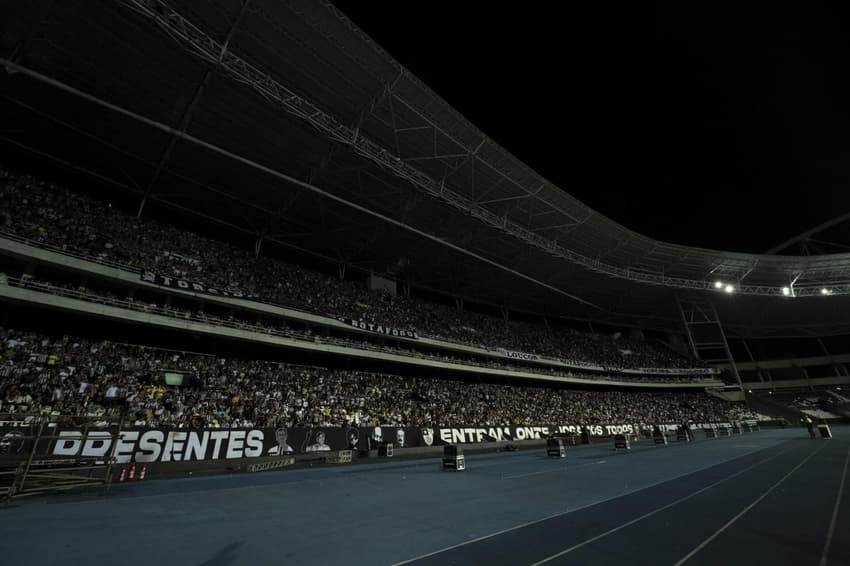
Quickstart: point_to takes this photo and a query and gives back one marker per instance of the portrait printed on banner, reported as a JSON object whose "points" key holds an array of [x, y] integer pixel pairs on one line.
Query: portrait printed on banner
{"points": [[12, 443], [352, 437], [318, 443], [282, 446]]}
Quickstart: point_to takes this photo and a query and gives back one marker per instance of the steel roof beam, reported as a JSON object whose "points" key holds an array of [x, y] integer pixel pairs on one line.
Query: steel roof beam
{"points": [[504, 199], [277, 174], [186, 118], [707, 256], [805, 235], [487, 164], [197, 42], [140, 159]]}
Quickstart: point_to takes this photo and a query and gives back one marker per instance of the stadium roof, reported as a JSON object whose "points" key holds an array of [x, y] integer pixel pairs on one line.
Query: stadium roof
{"points": [[284, 119]]}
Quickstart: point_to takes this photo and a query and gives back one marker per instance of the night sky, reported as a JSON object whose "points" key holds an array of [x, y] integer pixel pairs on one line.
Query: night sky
{"points": [[715, 128]]}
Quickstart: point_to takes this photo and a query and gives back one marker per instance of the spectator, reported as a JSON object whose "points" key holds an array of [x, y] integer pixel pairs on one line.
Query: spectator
{"points": [[45, 214], [273, 394]]}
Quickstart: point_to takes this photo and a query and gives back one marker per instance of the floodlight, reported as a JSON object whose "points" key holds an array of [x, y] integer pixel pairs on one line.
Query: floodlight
{"points": [[824, 291], [729, 289], [786, 291], [718, 284]]}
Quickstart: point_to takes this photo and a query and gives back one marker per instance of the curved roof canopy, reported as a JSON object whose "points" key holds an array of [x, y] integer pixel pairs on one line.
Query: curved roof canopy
{"points": [[284, 119]]}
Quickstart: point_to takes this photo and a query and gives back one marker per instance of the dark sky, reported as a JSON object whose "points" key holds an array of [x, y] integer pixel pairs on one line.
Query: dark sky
{"points": [[725, 128]]}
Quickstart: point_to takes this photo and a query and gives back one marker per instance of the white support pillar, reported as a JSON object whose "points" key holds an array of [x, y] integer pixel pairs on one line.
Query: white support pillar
{"points": [[705, 333]]}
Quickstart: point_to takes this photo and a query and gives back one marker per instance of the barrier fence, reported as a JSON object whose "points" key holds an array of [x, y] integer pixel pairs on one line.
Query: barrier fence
{"points": [[40, 454], [104, 437], [30, 465]]}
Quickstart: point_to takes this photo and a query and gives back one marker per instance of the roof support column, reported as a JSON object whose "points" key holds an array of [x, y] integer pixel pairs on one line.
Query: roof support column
{"points": [[143, 202], [747, 349], [705, 333], [808, 379]]}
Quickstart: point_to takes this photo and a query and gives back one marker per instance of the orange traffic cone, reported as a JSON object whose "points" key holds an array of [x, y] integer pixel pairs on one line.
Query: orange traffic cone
{"points": [[132, 472], [123, 475], [142, 473]]}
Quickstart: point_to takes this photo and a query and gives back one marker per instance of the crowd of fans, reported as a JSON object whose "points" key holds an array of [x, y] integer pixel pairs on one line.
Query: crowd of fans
{"points": [[281, 329], [70, 375], [52, 215]]}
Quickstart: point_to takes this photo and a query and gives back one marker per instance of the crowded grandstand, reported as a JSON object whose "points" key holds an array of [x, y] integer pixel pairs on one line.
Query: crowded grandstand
{"points": [[243, 238], [45, 214]]}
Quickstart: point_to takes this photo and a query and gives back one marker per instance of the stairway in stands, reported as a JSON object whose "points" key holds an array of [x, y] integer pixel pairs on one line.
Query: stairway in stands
{"points": [[774, 408]]}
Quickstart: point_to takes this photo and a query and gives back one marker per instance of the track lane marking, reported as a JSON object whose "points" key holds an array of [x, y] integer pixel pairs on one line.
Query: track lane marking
{"points": [[599, 502], [656, 511], [831, 531], [744, 511], [560, 469]]}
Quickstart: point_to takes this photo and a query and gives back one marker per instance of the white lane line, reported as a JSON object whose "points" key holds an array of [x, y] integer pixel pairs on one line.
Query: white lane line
{"points": [[560, 469], [743, 512], [655, 511], [524, 460], [581, 507], [831, 530]]}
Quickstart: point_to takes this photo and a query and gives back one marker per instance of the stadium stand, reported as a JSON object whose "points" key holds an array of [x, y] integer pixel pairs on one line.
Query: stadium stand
{"points": [[167, 312], [43, 213], [72, 375], [280, 328]]}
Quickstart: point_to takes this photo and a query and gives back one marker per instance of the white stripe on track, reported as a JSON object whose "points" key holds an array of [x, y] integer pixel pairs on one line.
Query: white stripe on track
{"points": [[831, 531], [744, 511], [655, 511], [599, 502]]}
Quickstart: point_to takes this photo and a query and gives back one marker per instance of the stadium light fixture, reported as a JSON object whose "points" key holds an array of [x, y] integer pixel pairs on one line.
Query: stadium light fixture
{"points": [[729, 289], [825, 291], [718, 284], [786, 291]]}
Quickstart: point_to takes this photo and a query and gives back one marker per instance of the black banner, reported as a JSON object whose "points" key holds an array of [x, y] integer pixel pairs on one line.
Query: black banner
{"points": [[181, 445], [520, 355], [174, 283], [380, 328]]}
